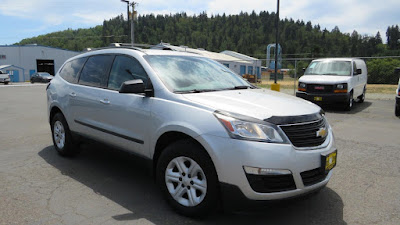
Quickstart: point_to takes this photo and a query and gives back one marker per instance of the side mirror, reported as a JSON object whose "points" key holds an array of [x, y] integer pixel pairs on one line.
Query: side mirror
{"points": [[358, 71], [135, 87], [132, 87], [304, 69]]}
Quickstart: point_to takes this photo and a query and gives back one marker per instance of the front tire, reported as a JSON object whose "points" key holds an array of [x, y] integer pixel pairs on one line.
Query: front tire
{"points": [[350, 102], [187, 178], [62, 138], [397, 110]]}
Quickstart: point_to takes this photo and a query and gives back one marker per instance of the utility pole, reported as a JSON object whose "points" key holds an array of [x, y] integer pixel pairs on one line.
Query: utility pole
{"points": [[132, 23], [127, 14]]}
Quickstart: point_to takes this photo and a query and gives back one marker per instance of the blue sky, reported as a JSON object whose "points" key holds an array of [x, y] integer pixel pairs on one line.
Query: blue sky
{"points": [[23, 19]]}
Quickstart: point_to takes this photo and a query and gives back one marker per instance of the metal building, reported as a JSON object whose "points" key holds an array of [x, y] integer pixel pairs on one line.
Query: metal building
{"points": [[21, 61]]}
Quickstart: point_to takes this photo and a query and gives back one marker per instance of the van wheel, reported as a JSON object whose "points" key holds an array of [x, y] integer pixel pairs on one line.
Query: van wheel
{"points": [[187, 178], [397, 110], [361, 98], [5, 83], [62, 138], [349, 103]]}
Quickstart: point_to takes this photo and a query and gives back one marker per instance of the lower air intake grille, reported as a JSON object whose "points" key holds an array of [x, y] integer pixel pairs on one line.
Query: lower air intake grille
{"points": [[314, 176], [271, 183]]}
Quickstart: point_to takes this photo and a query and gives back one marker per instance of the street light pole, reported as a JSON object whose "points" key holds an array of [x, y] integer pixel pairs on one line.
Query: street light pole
{"points": [[276, 45]]}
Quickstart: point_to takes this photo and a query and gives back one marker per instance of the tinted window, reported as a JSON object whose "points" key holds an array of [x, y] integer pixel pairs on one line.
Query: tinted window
{"points": [[71, 69], [95, 71], [126, 68]]}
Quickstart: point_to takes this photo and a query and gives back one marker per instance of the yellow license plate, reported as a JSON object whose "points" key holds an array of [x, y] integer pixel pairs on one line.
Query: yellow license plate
{"points": [[330, 161], [318, 99]]}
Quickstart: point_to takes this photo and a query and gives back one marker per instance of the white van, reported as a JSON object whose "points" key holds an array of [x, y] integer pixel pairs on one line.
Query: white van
{"points": [[334, 80]]}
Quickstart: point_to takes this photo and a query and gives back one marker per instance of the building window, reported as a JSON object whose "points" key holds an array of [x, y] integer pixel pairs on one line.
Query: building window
{"points": [[242, 70], [3, 57], [250, 70], [225, 64]]}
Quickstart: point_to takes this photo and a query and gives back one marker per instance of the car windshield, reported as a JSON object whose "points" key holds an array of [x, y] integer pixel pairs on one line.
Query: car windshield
{"points": [[188, 74], [336, 68]]}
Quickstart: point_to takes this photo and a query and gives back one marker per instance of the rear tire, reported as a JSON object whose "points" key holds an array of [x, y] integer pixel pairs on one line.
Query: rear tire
{"points": [[62, 138], [187, 179], [361, 98], [397, 110]]}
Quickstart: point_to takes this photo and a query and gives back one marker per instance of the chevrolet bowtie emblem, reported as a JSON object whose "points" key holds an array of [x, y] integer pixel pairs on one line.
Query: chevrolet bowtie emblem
{"points": [[321, 132]]}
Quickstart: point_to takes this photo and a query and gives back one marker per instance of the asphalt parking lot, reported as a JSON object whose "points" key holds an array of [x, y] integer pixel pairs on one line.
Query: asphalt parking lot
{"points": [[102, 186]]}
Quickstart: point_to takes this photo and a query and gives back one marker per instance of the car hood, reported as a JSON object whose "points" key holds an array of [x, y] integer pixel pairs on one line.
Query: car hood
{"points": [[324, 79], [256, 103]]}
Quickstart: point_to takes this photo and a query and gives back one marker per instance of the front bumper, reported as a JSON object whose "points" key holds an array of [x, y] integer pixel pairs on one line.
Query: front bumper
{"points": [[326, 98], [4, 80], [231, 155]]}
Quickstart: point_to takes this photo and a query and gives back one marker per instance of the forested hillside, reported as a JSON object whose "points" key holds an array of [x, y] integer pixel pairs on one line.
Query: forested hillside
{"points": [[245, 33]]}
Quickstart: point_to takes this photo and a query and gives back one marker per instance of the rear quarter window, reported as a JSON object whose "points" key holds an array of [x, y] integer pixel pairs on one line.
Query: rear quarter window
{"points": [[70, 71]]}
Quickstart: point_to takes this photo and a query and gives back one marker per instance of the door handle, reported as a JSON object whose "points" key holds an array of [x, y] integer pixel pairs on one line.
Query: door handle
{"points": [[105, 101], [72, 94]]}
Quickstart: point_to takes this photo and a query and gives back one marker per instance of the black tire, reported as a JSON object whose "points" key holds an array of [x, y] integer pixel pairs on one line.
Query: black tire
{"points": [[69, 148], [186, 149], [361, 98], [5, 83], [397, 110], [32, 82], [350, 102]]}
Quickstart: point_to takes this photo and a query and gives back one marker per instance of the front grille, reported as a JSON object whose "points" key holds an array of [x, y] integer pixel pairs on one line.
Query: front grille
{"points": [[271, 183], [305, 134], [314, 176], [319, 88]]}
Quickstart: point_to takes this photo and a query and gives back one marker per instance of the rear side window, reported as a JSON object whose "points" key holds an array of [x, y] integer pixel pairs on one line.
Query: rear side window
{"points": [[95, 71], [126, 68], [71, 69]]}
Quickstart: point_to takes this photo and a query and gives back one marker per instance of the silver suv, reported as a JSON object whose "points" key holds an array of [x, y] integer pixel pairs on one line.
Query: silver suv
{"points": [[210, 134]]}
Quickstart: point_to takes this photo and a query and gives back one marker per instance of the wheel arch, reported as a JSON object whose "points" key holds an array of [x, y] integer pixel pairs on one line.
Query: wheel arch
{"points": [[170, 137]]}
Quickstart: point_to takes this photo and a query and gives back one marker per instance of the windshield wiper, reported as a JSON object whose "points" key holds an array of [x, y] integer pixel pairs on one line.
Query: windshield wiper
{"points": [[241, 87], [195, 91]]}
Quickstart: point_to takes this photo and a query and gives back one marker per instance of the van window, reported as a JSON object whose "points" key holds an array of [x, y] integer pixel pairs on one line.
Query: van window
{"points": [[126, 68], [95, 71], [71, 69]]}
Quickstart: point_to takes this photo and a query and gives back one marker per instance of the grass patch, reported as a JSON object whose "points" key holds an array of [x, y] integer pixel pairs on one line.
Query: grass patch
{"points": [[290, 83]]}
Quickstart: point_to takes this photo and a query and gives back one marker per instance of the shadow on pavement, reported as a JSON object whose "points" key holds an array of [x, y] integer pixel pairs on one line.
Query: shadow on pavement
{"points": [[339, 109], [126, 180]]}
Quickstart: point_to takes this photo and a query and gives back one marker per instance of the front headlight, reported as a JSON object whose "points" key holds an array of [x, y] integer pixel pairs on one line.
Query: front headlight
{"points": [[302, 86], [340, 88], [246, 130]]}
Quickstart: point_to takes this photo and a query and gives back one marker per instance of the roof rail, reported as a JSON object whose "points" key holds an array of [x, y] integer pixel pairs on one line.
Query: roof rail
{"points": [[114, 45]]}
